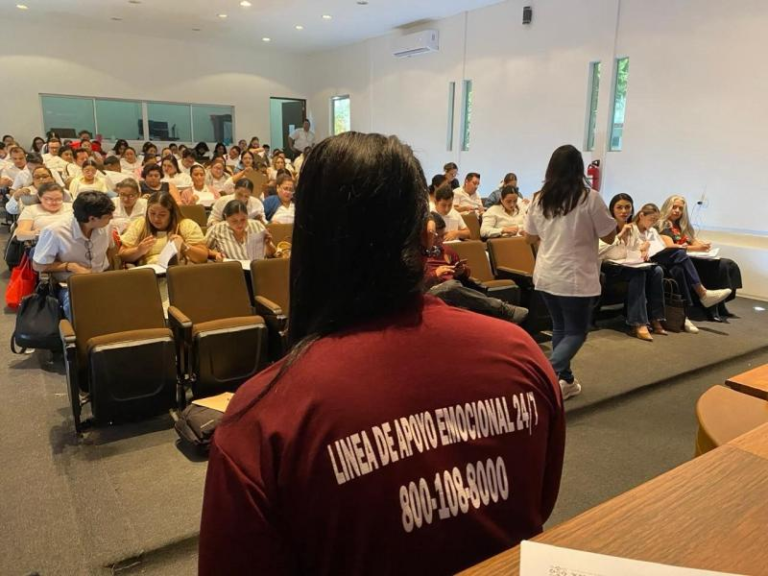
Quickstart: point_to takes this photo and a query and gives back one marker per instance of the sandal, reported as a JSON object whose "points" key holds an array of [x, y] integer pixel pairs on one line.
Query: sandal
{"points": [[659, 329]]}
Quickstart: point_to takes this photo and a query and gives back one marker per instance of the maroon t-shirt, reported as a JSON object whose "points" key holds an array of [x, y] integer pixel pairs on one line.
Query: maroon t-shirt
{"points": [[417, 445]]}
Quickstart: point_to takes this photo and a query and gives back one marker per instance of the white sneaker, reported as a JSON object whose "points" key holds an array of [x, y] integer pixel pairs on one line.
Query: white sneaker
{"points": [[713, 297], [571, 389], [690, 327]]}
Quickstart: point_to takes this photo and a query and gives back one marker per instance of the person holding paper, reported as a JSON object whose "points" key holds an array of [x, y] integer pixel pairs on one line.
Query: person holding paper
{"points": [[238, 237], [645, 294], [201, 193], [647, 240], [505, 218], [144, 240], [676, 230]]}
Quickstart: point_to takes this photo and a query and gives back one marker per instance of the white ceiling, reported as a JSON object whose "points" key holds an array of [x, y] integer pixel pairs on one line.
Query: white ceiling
{"points": [[275, 19]]}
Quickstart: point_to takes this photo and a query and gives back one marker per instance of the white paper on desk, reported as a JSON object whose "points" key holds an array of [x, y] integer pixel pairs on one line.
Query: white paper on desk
{"points": [[544, 560], [711, 255], [168, 252], [255, 246], [246, 264]]}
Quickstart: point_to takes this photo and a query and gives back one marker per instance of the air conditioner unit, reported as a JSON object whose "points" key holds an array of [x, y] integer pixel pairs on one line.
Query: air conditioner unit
{"points": [[415, 44]]}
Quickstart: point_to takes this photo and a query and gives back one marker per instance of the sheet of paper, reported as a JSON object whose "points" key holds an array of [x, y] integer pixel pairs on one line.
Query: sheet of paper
{"points": [[246, 264], [711, 255], [219, 402], [545, 560], [168, 252], [632, 263], [655, 248], [255, 246], [158, 270]]}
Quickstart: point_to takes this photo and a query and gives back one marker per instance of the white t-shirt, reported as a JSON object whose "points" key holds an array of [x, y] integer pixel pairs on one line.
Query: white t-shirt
{"points": [[567, 263], [454, 221], [41, 218], [121, 219], [180, 180], [78, 184], [255, 209], [284, 215], [112, 179], [302, 139], [496, 218], [461, 198], [133, 168]]}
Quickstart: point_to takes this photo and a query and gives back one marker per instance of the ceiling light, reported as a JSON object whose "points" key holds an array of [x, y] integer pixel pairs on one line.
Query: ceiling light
{"points": [[196, 29], [245, 4], [134, 1], [222, 16], [116, 19], [265, 39], [327, 17], [299, 27], [22, 6], [362, 2]]}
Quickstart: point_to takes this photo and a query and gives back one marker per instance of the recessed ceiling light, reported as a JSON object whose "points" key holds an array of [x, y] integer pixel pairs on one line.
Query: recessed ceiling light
{"points": [[245, 4], [265, 39], [222, 16], [22, 6], [362, 2], [196, 29], [116, 19], [299, 27], [327, 17], [134, 1]]}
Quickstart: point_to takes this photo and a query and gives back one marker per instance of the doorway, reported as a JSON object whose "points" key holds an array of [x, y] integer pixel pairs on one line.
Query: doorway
{"points": [[285, 116]]}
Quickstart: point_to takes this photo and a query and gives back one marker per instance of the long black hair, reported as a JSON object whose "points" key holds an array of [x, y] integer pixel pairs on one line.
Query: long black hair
{"points": [[565, 184], [616, 199], [357, 253]]}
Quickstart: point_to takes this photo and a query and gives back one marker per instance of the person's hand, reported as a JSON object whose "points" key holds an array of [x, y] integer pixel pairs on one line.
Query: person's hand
{"points": [[480, 210], [444, 271], [460, 268], [5, 182], [510, 230], [219, 256], [195, 198], [146, 245], [452, 235], [76, 268], [626, 231], [267, 237], [248, 170], [21, 192]]}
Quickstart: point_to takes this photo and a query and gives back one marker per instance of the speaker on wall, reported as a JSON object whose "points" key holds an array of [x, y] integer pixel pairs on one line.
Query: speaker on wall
{"points": [[527, 14]]}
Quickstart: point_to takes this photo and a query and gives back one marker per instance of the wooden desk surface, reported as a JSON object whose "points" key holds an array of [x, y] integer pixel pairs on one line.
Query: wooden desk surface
{"points": [[710, 513], [753, 382]]}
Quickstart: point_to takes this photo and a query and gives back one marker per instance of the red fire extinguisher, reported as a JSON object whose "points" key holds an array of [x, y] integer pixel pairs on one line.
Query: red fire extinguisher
{"points": [[593, 174]]}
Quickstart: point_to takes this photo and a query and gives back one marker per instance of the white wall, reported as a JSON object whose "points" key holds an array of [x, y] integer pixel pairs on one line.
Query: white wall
{"points": [[92, 63]]}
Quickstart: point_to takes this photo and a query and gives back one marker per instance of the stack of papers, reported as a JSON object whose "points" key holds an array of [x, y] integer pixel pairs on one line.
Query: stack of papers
{"points": [[711, 255], [163, 259]]}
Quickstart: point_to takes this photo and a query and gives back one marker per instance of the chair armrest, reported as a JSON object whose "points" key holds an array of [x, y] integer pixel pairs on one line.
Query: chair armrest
{"points": [[522, 279], [508, 270], [265, 307], [179, 323], [67, 333]]}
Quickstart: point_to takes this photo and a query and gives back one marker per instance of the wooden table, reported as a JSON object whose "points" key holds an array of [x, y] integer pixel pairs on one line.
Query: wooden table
{"points": [[724, 415], [710, 513], [753, 382]]}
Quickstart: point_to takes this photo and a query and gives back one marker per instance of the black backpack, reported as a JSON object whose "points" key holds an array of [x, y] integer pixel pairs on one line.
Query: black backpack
{"points": [[196, 425], [37, 321]]}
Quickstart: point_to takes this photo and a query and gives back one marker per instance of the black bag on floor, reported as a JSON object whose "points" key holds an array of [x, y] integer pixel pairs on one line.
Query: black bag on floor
{"points": [[196, 425], [14, 250], [674, 307], [37, 321]]}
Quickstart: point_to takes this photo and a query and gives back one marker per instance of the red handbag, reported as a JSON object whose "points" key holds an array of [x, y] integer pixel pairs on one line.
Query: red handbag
{"points": [[22, 283]]}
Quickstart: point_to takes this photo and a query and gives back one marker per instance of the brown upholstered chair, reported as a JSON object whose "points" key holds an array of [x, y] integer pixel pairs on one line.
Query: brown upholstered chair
{"points": [[271, 291], [196, 213], [473, 223], [513, 259], [724, 415], [280, 232], [118, 348], [473, 251], [221, 341]]}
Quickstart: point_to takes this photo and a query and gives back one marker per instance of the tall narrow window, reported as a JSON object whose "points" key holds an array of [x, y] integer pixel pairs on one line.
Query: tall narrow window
{"points": [[340, 114], [451, 105], [594, 89], [466, 115], [619, 104]]}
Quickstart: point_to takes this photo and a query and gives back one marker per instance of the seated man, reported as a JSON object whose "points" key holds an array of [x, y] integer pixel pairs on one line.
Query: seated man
{"points": [[188, 160], [448, 278], [14, 165], [80, 244], [467, 198], [113, 174], [455, 228]]}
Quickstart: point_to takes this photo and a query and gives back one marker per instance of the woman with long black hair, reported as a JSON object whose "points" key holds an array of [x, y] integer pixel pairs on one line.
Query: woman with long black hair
{"points": [[568, 219], [361, 452]]}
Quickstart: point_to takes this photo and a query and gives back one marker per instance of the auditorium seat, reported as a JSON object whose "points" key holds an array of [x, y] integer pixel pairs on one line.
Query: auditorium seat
{"points": [[724, 414], [118, 350], [473, 223], [196, 213], [271, 290], [221, 341], [280, 232], [473, 251]]}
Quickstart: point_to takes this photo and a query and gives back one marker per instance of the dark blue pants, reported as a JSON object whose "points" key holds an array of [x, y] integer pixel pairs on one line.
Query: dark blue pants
{"points": [[682, 270], [570, 324], [645, 294]]}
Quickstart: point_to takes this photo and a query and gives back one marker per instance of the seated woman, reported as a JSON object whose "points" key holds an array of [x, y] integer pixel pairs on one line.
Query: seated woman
{"points": [[52, 207], [277, 165], [233, 157], [646, 240], [451, 171], [437, 181], [286, 211], [217, 176], [504, 219], [144, 239], [119, 148], [645, 295], [243, 193], [676, 230], [89, 180], [247, 160], [27, 195], [173, 175], [130, 163], [220, 150], [238, 237], [201, 193], [152, 181], [129, 205]]}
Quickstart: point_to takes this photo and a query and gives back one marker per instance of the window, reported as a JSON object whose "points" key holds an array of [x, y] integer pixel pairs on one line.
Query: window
{"points": [[451, 105], [340, 114], [169, 121], [212, 123], [466, 115], [619, 104], [67, 115], [594, 89], [117, 119]]}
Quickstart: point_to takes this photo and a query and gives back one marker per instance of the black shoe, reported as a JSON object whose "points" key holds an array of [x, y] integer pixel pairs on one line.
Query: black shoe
{"points": [[713, 316]]}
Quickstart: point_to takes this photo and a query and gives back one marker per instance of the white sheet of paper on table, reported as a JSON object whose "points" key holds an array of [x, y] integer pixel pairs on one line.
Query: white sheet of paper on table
{"points": [[545, 560], [711, 255], [246, 264]]}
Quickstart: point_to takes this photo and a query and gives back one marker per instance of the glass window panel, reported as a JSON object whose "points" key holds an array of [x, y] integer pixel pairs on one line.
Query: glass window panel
{"points": [[466, 115], [120, 119], [341, 114], [67, 115], [169, 122], [212, 123], [619, 104], [451, 105], [594, 89]]}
